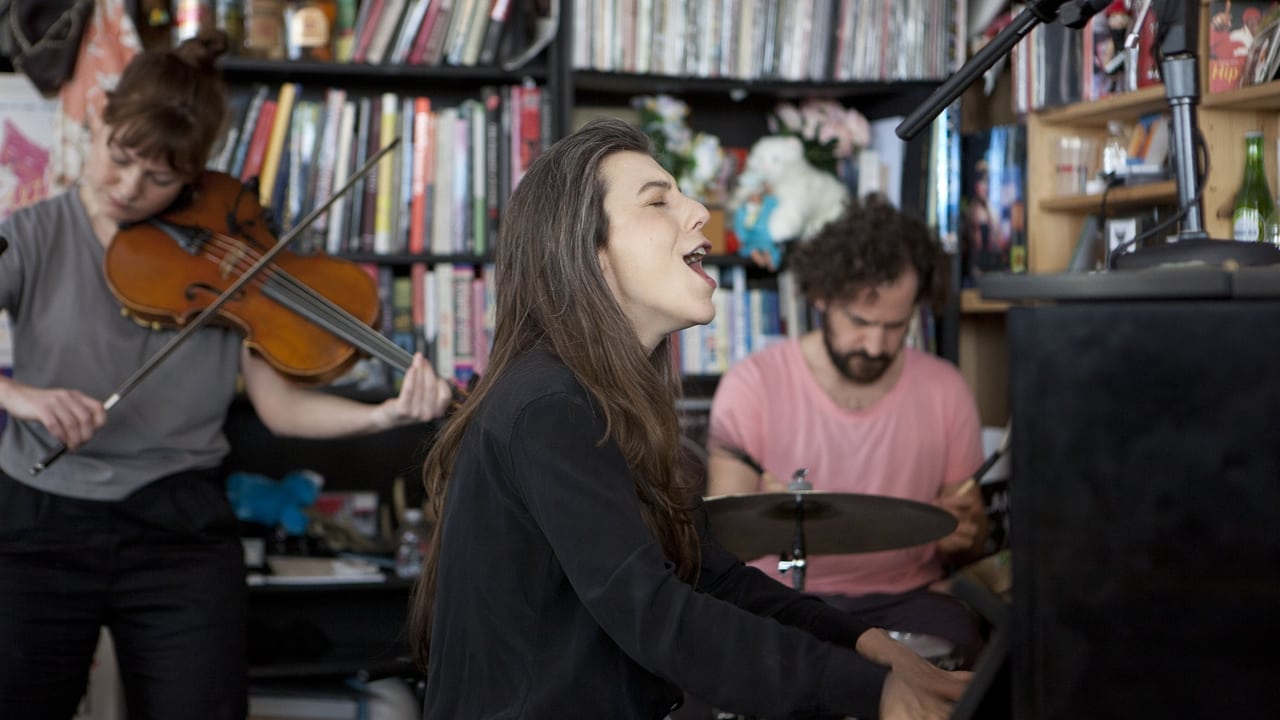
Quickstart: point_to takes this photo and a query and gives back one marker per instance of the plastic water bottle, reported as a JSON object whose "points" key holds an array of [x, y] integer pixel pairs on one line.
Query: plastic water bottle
{"points": [[412, 548], [1115, 154]]}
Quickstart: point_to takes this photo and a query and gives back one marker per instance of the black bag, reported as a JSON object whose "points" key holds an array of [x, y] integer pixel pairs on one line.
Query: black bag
{"points": [[42, 37]]}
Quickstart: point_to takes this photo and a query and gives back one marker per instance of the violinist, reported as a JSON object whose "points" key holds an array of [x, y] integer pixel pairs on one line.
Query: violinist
{"points": [[131, 530]]}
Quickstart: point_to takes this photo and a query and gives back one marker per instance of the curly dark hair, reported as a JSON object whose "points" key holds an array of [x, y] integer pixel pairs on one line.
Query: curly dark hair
{"points": [[870, 244]]}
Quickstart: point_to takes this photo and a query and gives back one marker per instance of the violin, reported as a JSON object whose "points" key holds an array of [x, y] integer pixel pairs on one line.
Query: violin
{"points": [[212, 258], [306, 315]]}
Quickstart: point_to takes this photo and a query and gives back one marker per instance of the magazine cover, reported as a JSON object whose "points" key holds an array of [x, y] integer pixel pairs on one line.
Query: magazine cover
{"points": [[26, 134], [1232, 26], [993, 202]]}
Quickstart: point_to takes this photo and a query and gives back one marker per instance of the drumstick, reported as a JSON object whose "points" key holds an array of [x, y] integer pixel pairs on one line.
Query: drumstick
{"points": [[988, 463], [746, 459], [965, 487]]}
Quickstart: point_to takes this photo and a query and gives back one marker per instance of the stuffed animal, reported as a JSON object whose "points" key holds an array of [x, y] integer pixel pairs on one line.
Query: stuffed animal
{"points": [[260, 499], [807, 198], [751, 225]]}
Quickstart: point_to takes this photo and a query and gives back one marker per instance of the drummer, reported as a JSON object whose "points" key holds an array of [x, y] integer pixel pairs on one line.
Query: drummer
{"points": [[866, 414]]}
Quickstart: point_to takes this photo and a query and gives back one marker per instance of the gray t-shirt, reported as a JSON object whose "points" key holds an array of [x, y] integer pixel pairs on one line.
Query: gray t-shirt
{"points": [[69, 332]]}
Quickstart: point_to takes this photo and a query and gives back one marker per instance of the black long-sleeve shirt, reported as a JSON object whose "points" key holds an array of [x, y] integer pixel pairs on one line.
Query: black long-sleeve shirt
{"points": [[554, 600]]}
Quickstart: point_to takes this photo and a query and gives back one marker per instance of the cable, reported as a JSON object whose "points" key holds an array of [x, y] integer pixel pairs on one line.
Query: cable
{"points": [[1201, 175]]}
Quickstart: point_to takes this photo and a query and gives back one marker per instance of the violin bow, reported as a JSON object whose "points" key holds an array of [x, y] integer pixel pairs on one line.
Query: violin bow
{"points": [[208, 313]]}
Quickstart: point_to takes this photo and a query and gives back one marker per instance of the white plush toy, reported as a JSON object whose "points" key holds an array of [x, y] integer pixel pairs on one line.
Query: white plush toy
{"points": [[807, 198]]}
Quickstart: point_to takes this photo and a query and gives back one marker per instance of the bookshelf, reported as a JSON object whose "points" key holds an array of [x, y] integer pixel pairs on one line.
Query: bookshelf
{"points": [[1054, 221], [1223, 117], [732, 76], [734, 105]]}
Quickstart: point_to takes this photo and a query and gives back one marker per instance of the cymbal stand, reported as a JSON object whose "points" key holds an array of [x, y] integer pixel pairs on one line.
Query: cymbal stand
{"points": [[796, 561]]}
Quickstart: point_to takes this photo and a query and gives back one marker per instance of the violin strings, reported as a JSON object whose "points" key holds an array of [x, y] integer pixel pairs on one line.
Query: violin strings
{"points": [[338, 318], [341, 321]]}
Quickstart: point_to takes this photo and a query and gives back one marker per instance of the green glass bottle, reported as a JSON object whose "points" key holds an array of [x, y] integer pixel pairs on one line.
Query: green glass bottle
{"points": [[1254, 206]]}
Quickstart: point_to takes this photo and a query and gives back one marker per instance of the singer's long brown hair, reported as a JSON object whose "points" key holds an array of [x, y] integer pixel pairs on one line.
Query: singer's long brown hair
{"points": [[552, 294]]}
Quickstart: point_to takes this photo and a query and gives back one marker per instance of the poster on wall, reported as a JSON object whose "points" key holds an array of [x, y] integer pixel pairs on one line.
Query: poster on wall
{"points": [[26, 135]]}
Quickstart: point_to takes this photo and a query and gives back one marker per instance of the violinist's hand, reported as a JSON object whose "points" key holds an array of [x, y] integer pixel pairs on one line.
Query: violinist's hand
{"points": [[964, 501], [423, 396], [69, 415], [914, 689]]}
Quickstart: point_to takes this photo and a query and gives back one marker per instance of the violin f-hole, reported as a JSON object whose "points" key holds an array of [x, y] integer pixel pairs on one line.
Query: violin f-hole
{"points": [[195, 289]]}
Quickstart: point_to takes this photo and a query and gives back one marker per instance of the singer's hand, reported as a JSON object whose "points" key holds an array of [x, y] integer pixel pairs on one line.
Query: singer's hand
{"points": [[914, 688], [69, 415]]}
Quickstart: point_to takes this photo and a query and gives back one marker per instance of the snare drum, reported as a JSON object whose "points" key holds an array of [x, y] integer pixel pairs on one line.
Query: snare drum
{"points": [[938, 651]]}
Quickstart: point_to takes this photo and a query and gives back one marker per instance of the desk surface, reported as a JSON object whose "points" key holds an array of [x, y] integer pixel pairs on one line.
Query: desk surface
{"points": [[1172, 283], [329, 630]]}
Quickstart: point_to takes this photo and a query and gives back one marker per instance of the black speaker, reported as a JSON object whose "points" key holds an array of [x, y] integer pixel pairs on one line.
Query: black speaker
{"points": [[1146, 512]]}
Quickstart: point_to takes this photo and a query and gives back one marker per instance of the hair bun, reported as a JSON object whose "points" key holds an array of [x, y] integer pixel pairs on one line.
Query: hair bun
{"points": [[204, 49]]}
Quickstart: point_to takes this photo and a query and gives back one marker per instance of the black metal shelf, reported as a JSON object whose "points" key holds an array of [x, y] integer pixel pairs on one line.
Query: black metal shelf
{"points": [[246, 69], [464, 259], [632, 84]]}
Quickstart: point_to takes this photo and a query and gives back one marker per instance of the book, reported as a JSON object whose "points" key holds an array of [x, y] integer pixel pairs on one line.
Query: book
{"points": [[408, 31], [356, 198], [441, 218], [434, 45], [367, 21], [237, 108], [456, 39], [423, 171], [475, 32], [493, 32], [257, 148], [304, 147], [384, 34], [993, 192], [248, 125], [322, 181], [336, 222], [388, 167], [272, 156]]}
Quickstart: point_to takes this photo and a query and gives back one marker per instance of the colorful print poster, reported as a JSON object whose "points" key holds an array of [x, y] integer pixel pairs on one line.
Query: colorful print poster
{"points": [[26, 135]]}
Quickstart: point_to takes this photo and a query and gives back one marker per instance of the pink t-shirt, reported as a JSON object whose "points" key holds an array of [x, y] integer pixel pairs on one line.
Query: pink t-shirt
{"points": [[923, 434]]}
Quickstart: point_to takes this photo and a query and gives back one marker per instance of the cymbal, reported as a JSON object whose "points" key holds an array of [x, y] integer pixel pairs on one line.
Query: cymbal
{"points": [[759, 524]]}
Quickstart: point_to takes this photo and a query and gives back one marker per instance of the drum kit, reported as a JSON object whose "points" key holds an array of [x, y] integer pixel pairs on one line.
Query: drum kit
{"points": [[800, 522]]}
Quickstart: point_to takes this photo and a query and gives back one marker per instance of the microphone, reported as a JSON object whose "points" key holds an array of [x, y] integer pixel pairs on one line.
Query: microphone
{"points": [[1078, 13]]}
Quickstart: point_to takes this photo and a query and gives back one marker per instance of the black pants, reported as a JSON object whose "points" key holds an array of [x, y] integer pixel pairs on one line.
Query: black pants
{"points": [[162, 569]]}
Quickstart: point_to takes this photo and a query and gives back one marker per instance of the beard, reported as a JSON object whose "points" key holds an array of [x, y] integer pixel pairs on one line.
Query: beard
{"points": [[858, 366]]}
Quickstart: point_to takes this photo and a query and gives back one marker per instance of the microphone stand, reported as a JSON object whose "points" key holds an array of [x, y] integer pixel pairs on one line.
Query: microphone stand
{"points": [[1041, 11]]}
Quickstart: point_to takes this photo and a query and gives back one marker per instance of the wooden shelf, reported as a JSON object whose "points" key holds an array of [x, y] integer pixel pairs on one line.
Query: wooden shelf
{"points": [[1253, 97], [1147, 194], [972, 303], [1125, 106]]}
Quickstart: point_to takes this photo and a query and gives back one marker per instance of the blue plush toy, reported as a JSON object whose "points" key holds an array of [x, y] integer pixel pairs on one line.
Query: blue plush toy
{"points": [[751, 224], [257, 498]]}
